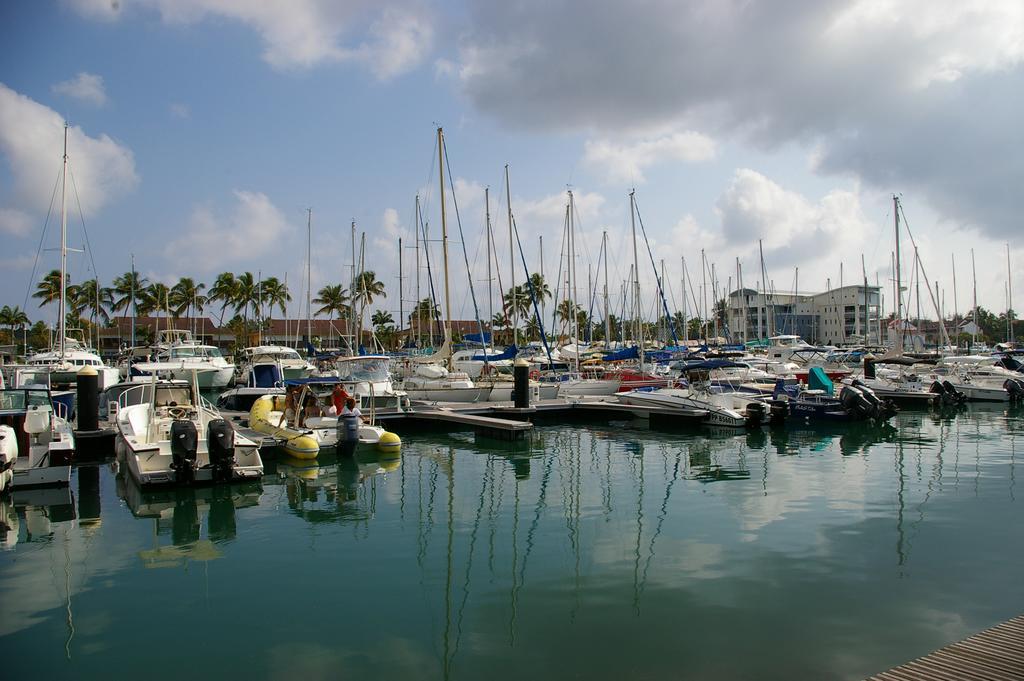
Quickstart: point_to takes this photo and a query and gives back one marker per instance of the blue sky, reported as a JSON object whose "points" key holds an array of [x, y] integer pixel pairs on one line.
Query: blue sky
{"points": [[202, 130]]}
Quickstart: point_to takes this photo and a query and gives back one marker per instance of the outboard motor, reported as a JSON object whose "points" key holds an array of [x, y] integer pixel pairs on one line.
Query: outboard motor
{"points": [[957, 396], [778, 410], [348, 429], [756, 412], [184, 444], [854, 400], [220, 443], [1015, 387]]}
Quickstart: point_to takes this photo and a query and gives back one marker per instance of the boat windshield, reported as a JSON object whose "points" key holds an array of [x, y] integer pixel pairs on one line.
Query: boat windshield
{"points": [[374, 369], [14, 398]]}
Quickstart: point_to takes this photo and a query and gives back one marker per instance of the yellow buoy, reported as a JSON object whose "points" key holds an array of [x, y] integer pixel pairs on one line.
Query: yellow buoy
{"points": [[389, 442]]}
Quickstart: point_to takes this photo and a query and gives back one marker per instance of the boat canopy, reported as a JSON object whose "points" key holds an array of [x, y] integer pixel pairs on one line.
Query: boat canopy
{"points": [[625, 353], [508, 353], [710, 364]]}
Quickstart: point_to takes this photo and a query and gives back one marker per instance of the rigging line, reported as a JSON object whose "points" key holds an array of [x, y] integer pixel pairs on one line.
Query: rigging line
{"points": [[935, 303], [657, 277], [533, 293], [39, 248], [462, 237], [81, 217]]}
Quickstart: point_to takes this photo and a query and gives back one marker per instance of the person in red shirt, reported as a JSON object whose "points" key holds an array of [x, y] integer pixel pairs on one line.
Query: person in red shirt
{"points": [[338, 398]]}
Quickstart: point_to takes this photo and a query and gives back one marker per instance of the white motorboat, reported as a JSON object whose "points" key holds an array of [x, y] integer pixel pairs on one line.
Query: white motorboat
{"points": [[434, 383], [8, 456], [723, 409], [179, 437], [42, 439], [60, 366], [261, 379], [290, 362], [110, 398], [178, 356]]}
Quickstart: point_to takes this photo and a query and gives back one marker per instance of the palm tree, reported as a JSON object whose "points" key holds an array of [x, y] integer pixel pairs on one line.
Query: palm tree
{"points": [[224, 289], [186, 295], [247, 292], [333, 300], [48, 290], [89, 295], [154, 298], [381, 319], [14, 318], [129, 288], [367, 287], [540, 287], [275, 293]]}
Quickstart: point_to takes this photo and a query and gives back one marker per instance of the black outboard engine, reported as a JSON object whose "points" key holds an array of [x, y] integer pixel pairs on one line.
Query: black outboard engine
{"points": [[184, 444], [778, 410], [1015, 387], [756, 412], [220, 443], [853, 400], [956, 396]]}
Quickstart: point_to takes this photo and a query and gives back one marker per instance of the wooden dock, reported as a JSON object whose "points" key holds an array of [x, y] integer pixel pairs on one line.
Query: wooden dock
{"points": [[505, 429], [996, 654]]}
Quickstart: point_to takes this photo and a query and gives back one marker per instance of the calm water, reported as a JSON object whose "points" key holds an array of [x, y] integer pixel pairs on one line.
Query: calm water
{"points": [[597, 551]]}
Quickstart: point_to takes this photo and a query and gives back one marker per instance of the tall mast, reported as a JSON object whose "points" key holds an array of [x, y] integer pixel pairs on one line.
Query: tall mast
{"points": [[867, 316], [899, 292], [62, 321], [607, 310], [401, 289], [490, 293], [134, 311], [636, 275], [512, 261], [444, 239], [1009, 292], [540, 246], [352, 297], [574, 326], [686, 324], [309, 276], [974, 276], [704, 292], [419, 311]]}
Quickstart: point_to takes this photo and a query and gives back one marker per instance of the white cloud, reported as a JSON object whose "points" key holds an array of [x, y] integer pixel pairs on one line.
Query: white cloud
{"points": [[179, 110], [300, 34], [15, 222], [31, 140], [85, 87], [254, 228], [625, 163]]}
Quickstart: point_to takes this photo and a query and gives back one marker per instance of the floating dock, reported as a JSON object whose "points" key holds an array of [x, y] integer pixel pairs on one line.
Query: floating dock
{"points": [[503, 420], [996, 654]]}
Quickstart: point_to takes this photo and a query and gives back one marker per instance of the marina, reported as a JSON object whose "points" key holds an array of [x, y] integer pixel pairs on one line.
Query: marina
{"points": [[469, 553], [457, 341]]}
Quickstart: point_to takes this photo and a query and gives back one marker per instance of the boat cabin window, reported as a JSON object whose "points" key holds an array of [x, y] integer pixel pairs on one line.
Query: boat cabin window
{"points": [[165, 395], [22, 399], [373, 370]]}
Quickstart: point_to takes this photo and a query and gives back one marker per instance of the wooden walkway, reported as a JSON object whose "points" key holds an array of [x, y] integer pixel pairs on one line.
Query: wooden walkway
{"points": [[996, 654]]}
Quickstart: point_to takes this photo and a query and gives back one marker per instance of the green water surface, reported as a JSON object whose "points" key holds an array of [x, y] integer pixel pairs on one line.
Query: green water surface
{"points": [[594, 551]]}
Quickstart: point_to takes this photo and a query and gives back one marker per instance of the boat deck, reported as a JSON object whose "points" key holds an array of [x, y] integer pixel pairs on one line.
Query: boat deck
{"points": [[996, 654]]}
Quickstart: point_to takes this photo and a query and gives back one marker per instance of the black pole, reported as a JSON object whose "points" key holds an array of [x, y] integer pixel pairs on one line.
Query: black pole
{"points": [[88, 384], [521, 385]]}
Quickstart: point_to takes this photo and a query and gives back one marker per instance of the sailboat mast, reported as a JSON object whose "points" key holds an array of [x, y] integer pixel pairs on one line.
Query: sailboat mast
{"points": [[512, 262], [1009, 293], [607, 310], [574, 326], [134, 311], [899, 292], [419, 311], [444, 237], [704, 292], [974, 276], [490, 292], [401, 288], [686, 323], [636, 274], [62, 321], [309, 276]]}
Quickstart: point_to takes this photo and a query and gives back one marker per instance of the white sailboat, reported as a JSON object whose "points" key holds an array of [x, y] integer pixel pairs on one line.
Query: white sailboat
{"points": [[179, 356], [38, 443], [59, 365]]}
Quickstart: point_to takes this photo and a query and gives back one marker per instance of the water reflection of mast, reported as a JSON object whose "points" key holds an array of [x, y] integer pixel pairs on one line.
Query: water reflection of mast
{"points": [[517, 584], [639, 525], [448, 573], [662, 514], [487, 483], [900, 504]]}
